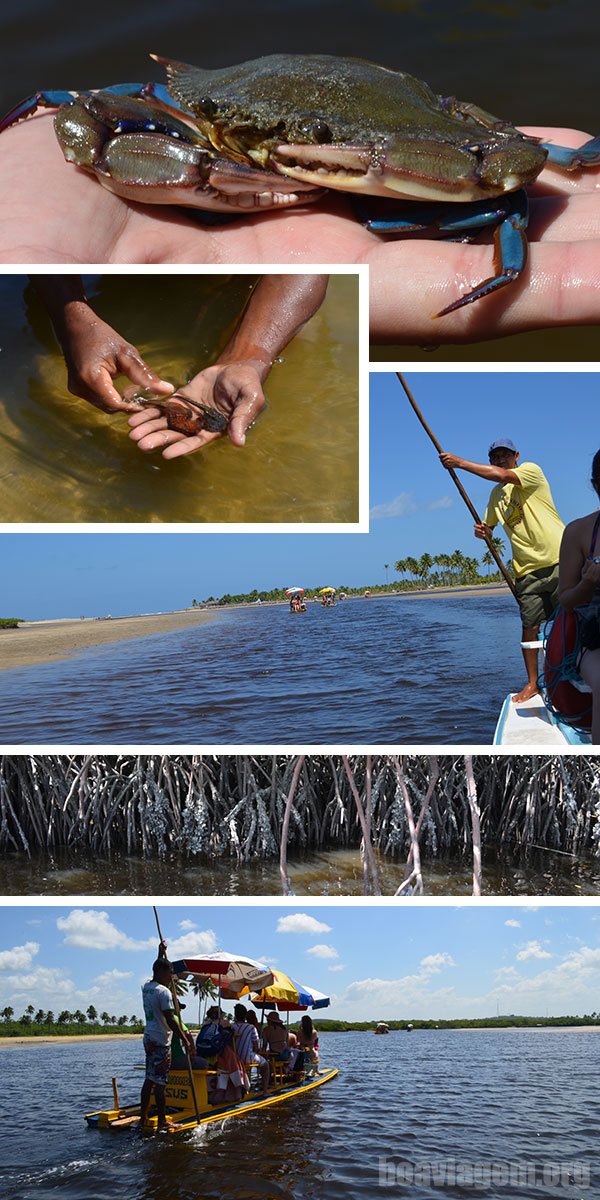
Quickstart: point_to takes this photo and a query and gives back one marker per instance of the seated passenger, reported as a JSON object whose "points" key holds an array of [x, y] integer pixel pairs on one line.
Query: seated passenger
{"points": [[276, 1040], [179, 1058], [308, 1041], [246, 1044], [215, 1033]]}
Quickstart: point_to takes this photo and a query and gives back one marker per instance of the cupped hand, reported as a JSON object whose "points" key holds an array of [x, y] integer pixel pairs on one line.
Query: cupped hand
{"points": [[235, 389], [53, 212]]}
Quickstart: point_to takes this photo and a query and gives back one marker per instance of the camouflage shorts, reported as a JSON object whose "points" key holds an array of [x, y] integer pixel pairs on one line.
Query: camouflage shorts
{"points": [[158, 1061]]}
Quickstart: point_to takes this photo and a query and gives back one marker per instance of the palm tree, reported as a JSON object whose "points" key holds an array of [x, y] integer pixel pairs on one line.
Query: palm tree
{"points": [[487, 560], [105, 1018], [387, 567], [92, 1015], [8, 1012], [64, 1017], [424, 566]]}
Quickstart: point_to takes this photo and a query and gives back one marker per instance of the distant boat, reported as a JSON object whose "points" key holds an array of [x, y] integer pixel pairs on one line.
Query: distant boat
{"points": [[381, 1027]]}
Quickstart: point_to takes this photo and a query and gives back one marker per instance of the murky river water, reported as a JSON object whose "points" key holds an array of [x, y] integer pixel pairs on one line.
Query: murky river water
{"points": [[63, 460], [444, 1098], [330, 872], [363, 672]]}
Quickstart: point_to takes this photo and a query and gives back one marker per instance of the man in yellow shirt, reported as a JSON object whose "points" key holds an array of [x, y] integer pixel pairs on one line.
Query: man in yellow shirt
{"points": [[522, 503]]}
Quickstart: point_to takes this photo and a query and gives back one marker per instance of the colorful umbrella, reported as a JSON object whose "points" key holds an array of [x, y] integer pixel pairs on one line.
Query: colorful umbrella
{"points": [[286, 995], [233, 974], [294, 591], [323, 591]]}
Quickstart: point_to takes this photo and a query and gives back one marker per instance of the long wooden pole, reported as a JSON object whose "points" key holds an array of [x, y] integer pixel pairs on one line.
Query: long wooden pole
{"points": [[456, 481], [178, 1015]]}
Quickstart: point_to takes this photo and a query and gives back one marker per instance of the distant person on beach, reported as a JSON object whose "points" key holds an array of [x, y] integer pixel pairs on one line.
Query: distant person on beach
{"points": [[580, 591], [522, 503], [95, 354], [161, 1024]]}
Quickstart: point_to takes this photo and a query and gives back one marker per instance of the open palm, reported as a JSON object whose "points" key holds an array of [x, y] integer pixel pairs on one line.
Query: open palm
{"points": [[52, 213]]}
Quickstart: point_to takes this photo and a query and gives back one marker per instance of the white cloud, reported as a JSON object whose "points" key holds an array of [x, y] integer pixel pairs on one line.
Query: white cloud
{"points": [[109, 977], [337, 967], [401, 506], [301, 923], [186, 924], [532, 950], [434, 962], [91, 929], [200, 941], [443, 502], [513, 924], [19, 958], [322, 951]]}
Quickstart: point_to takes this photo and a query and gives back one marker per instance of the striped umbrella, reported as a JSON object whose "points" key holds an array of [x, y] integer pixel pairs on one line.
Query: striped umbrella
{"points": [[286, 995]]}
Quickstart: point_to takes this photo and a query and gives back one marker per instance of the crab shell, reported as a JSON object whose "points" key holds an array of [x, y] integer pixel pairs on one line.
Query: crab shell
{"points": [[351, 125]]}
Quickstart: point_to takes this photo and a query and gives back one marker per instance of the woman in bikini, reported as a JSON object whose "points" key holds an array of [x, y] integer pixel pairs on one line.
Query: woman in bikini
{"points": [[579, 583]]}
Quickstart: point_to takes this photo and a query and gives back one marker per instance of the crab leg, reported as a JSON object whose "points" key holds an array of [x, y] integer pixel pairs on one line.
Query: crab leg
{"points": [[567, 159], [509, 214], [27, 107]]}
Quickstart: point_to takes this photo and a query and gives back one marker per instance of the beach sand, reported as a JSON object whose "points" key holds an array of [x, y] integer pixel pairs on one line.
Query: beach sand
{"points": [[46, 641], [129, 1037]]}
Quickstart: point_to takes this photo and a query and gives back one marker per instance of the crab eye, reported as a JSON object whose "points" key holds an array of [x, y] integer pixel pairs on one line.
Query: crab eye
{"points": [[207, 106], [317, 130]]}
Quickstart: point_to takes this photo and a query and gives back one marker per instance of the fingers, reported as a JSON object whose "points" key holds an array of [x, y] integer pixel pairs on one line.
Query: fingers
{"points": [[98, 389], [411, 282], [130, 363]]}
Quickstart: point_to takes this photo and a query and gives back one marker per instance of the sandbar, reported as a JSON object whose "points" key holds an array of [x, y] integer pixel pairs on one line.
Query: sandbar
{"points": [[37, 642]]}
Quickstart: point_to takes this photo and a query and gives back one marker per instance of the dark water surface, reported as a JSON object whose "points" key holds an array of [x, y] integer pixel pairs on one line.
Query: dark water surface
{"points": [[409, 670], [327, 872], [525, 1098], [530, 61]]}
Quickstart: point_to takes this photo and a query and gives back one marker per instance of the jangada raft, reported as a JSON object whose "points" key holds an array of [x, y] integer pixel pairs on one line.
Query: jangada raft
{"points": [[187, 1092]]}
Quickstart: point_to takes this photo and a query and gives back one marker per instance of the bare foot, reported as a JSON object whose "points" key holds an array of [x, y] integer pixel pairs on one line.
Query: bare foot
{"points": [[530, 689]]}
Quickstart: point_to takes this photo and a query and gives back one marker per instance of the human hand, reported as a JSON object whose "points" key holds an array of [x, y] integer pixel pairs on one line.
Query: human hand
{"points": [[450, 461], [95, 353], [234, 389], [53, 212], [482, 531], [590, 573]]}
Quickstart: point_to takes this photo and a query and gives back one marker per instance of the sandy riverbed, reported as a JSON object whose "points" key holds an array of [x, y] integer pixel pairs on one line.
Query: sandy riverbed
{"points": [[46, 641]]}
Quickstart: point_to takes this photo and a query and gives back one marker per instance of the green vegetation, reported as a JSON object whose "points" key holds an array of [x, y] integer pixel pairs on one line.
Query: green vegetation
{"points": [[455, 570], [510, 1022], [10, 622], [39, 1023]]}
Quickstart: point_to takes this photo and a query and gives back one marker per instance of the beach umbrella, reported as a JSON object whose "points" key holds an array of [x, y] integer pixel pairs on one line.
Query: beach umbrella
{"points": [[233, 974], [286, 995], [294, 591], [323, 591]]}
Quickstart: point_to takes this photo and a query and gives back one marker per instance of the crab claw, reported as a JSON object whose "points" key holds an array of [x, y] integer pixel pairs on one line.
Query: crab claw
{"points": [[415, 168]]}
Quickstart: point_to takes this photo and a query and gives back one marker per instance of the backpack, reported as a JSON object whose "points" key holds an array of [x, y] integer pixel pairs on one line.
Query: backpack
{"points": [[212, 1040], [561, 653]]}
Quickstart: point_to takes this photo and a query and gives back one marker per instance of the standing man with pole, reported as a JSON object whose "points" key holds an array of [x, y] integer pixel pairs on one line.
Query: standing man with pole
{"points": [[522, 502], [161, 1023]]}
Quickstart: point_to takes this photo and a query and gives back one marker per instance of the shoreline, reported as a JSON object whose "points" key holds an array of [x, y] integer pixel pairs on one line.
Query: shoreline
{"points": [[39, 642], [62, 1038]]}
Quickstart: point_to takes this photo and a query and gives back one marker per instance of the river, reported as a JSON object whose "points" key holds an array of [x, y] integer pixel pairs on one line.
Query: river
{"points": [[403, 670], [444, 1100]]}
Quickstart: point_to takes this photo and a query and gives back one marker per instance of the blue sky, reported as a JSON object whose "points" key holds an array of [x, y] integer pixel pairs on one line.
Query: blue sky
{"points": [[553, 418], [375, 962]]}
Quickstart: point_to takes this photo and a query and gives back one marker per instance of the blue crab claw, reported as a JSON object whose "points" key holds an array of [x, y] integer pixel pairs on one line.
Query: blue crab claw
{"points": [[567, 159]]}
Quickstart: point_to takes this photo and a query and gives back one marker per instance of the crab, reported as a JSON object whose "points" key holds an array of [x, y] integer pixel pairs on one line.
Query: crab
{"points": [[278, 131], [182, 414]]}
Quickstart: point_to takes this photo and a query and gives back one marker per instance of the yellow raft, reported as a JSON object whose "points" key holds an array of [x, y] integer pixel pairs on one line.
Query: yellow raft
{"points": [[180, 1102]]}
